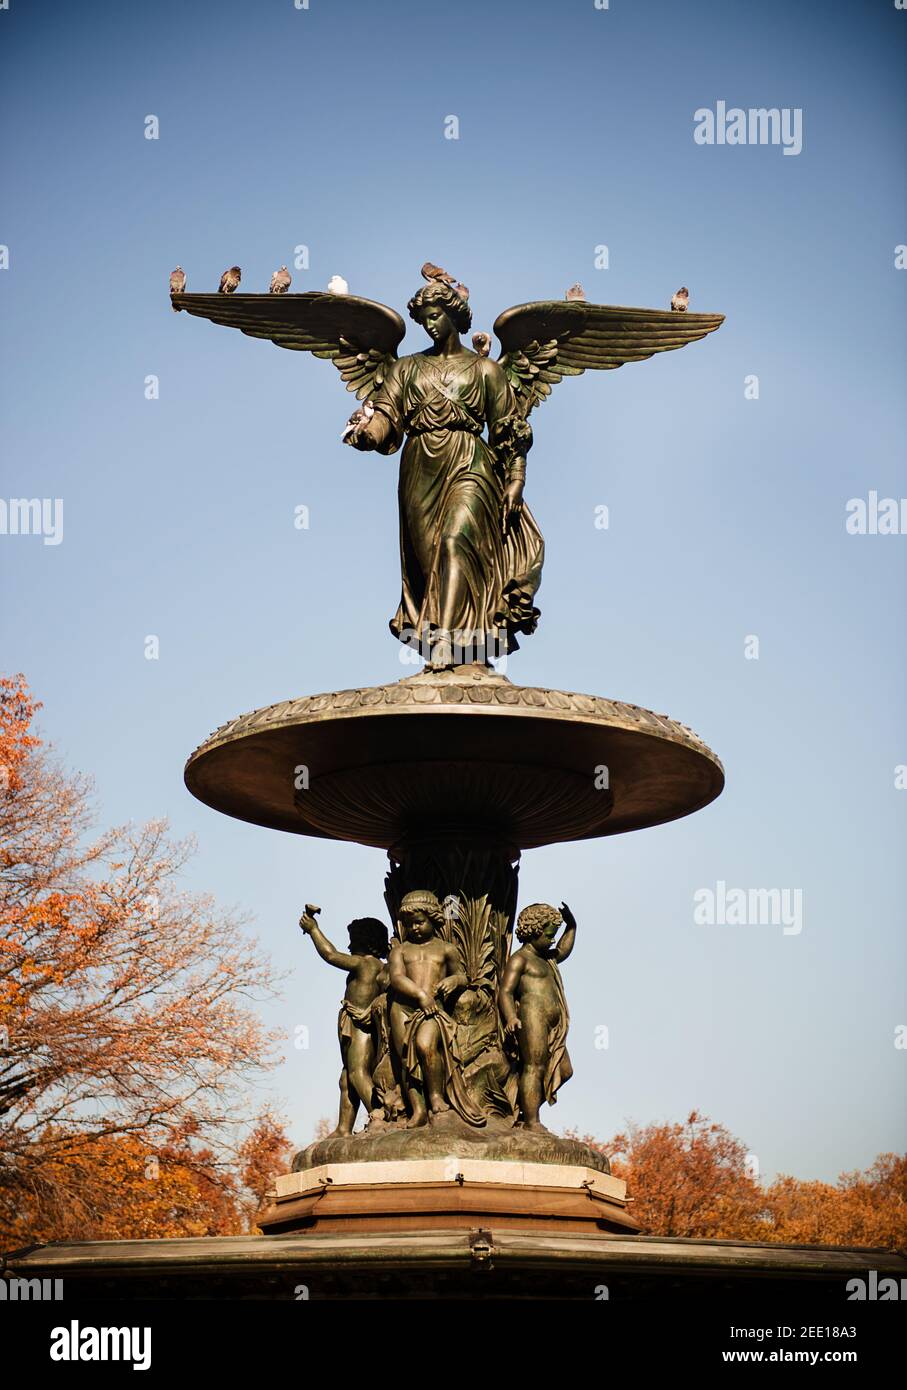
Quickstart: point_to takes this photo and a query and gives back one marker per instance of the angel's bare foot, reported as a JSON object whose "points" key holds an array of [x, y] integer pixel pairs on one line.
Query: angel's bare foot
{"points": [[438, 1107]]}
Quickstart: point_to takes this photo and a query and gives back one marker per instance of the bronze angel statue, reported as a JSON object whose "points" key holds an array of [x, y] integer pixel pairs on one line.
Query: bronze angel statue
{"points": [[471, 552]]}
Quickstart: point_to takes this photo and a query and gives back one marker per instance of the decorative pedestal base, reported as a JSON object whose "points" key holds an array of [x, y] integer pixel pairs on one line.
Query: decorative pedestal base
{"points": [[498, 1142], [447, 1193]]}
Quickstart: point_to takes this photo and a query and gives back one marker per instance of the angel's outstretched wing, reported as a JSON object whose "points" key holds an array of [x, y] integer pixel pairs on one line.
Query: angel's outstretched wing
{"points": [[359, 336], [549, 340]]}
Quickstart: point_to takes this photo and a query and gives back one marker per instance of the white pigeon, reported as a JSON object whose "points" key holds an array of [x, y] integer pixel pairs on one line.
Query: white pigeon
{"points": [[680, 301], [177, 284], [337, 285], [357, 420], [280, 281], [229, 280], [575, 292]]}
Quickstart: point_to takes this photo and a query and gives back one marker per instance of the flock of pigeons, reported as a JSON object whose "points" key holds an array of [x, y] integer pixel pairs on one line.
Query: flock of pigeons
{"points": [[282, 279]]}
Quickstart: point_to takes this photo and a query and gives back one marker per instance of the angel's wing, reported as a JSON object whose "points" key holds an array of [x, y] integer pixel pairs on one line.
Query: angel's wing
{"points": [[359, 336], [549, 340]]}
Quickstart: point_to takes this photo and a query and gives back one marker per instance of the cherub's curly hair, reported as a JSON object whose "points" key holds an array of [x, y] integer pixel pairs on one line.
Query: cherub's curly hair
{"points": [[371, 933], [423, 901], [533, 920], [438, 291]]}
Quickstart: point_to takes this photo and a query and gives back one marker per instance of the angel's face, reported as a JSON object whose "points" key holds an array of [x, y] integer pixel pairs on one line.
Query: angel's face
{"points": [[437, 323]]}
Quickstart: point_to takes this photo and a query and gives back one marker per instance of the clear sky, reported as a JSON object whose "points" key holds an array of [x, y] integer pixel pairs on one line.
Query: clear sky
{"points": [[325, 127]]}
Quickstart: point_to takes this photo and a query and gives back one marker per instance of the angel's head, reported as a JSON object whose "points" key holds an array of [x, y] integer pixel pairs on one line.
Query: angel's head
{"points": [[439, 308]]}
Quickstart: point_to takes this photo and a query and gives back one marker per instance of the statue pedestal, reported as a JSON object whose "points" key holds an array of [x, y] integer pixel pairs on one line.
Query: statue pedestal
{"points": [[447, 1193], [455, 773]]}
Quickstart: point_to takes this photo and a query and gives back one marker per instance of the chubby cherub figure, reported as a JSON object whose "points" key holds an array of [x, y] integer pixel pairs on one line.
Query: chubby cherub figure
{"points": [[425, 972], [357, 1023], [534, 1008]]}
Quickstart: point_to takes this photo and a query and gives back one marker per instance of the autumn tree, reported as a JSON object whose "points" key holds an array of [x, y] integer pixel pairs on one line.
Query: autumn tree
{"points": [[693, 1179], [865, 1208], [689, 1179], [126, 1031]]}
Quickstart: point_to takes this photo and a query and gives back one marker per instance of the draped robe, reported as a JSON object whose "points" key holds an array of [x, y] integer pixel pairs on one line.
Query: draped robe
{"points": [[460, 573]]}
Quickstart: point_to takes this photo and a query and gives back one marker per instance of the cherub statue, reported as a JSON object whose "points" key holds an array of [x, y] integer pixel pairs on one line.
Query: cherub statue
{"points": [[470, 551], [425, 973], [534, 1009], [358, 1022]]}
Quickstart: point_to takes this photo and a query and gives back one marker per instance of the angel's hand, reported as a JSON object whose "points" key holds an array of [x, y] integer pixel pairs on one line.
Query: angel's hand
{"points": [[512, 504], [356, 431], [569, 919]]}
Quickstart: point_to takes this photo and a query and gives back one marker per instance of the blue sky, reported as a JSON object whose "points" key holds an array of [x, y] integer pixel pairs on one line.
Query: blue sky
{"points": [[325, 127]]}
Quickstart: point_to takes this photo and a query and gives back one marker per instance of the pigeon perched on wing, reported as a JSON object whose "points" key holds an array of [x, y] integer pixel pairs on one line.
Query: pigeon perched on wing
{"points": [[357, 421], [337, 285], [177, 284], [575, 292], [680, 301], [482, 343], [280, 281], [229, 280]]}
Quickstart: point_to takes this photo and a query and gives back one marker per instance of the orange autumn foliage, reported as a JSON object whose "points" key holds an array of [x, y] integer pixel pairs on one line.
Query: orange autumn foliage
{"points": [[693, 1180], [175, 1189], [126, 1035]]}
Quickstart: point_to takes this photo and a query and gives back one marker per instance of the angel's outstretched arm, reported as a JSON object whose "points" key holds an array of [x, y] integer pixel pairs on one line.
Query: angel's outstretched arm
{"points": [[385, 430]]}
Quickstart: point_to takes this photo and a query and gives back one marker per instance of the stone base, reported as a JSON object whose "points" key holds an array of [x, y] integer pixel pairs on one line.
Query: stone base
{"points": [[447, 1193], [449, 1137]]}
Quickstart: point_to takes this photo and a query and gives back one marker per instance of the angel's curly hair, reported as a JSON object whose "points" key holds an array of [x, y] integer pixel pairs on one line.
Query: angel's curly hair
{"points": [[533, 920], [439, 292]]}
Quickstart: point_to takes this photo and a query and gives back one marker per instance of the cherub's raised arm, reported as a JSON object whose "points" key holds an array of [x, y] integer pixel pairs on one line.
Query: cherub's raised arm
{"points": [[568, 937], [325, 949]]}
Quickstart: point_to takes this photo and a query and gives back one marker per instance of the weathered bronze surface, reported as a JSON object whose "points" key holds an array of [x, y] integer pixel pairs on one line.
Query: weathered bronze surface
{"points": [[451, 1041], [461, 752], [471, 554]]}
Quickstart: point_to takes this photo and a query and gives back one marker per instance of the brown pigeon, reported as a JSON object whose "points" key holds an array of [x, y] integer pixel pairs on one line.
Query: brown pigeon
{"points": [[680, 301], [280, 281], [177, 284], [482, 343], [434, 272], [357, 420], [229, 280], [575, 292]]}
